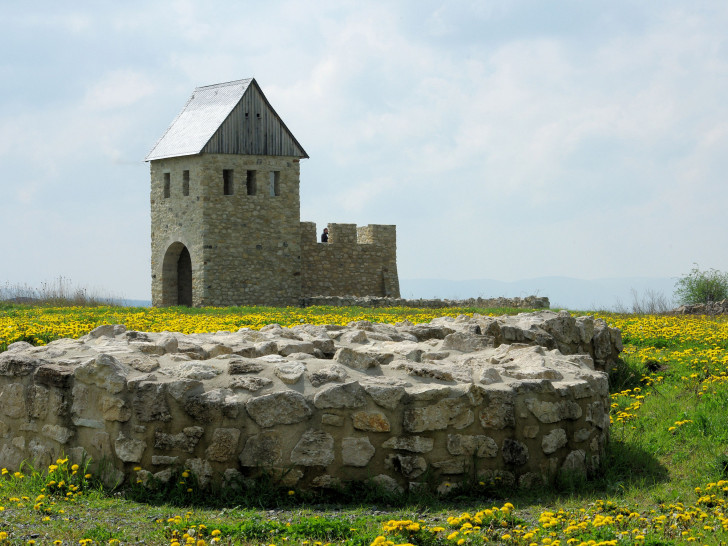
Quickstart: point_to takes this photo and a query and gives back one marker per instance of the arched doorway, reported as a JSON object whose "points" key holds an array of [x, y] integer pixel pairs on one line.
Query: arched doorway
{"points": [[177, 276]]}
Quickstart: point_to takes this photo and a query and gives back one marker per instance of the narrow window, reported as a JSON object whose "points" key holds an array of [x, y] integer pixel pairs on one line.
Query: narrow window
{"points": [[227, 181], [166, 185], [250, 182], [275, 184], [185, 182]]}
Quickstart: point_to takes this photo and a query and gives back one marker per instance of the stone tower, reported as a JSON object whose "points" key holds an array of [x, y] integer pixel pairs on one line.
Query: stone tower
{"points": [[226, 226], [225, 202]]}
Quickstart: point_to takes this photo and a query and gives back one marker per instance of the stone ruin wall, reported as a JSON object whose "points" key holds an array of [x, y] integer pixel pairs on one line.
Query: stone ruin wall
{"points": [[357, 261], [711, 308], [512, 400], [529, 302]]}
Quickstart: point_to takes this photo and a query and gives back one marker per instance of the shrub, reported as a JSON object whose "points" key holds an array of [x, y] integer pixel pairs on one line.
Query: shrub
{"points": [[701, 286]]}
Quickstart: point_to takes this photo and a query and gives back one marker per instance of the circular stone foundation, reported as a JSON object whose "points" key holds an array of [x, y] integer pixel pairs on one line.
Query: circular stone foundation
{"points": [[507, 400]]}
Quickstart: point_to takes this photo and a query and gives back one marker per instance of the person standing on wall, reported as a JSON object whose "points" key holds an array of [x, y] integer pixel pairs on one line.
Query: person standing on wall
{"points": [[325, 235]]}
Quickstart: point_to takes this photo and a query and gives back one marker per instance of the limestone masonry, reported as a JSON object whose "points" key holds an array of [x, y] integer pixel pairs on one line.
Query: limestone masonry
{"points": [[510, 400], [225, 209]]}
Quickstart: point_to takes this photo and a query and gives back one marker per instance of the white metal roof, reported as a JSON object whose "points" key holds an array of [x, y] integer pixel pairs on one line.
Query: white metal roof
{"points": [[203, 114]]}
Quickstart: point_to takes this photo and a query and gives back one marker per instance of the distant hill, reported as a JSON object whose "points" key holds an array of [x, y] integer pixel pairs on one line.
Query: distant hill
{"points": [[563, 292], [136, 303]]}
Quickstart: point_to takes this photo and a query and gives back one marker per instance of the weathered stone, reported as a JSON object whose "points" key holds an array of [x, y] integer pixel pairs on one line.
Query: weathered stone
{"points": [[384, 395], [530, 431], [232, 479], [286, 477], [410, 466], [514, 452], [13, 400], [326, 481], [105, 330], [144, 364], [149, 402], [290, 373], [41, 455], [450, 466], [213, 350], [250, 383], [196, 370], [554, 440], [129, 450], [359, 360], [597, 415], [264, 449], [105, 372], [355, 336], [236, 367], [370, 421], [582, 434], [211, 406], [280, 408], [168, 343], [183, 441], [201, 470], [19, 346], [100, 442], [147, 348], [387, 483], [415, 444], [498, 411], [224, 444], [488, 376], [163, 476], [530, 480], [423, 332], [54, 375], [553, 412], [326, 346], [37, 401], [328, 374], [426, 392], [575, 463], [480, 446], [182, 389], [347, 395], [424, 369], [290, 346], [315, 448], [114, 409], [465, 343], [356, 451], [58, 433], [332, 420], [160, 460], [451, 412]]}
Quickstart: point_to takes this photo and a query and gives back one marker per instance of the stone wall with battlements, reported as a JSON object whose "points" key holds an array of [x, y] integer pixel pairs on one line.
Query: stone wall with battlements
{"points": [[357, 261]]}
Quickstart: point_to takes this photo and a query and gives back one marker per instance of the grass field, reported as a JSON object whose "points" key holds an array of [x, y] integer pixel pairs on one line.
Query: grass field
{"points": [[664, 479]]}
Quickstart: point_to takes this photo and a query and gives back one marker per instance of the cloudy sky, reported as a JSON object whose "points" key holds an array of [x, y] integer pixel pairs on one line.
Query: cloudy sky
{"points": [[507, 139]]}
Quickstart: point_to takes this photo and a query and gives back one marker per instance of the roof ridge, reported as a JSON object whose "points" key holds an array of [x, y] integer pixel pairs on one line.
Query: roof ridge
{"points": [[225, 84]]}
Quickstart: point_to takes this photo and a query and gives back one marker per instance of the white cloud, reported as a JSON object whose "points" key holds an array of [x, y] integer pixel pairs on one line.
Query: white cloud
{"points": [[118, 89]]}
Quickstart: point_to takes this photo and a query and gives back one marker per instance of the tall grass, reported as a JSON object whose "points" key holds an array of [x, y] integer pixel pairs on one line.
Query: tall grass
{"points": [[60, 292]]}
